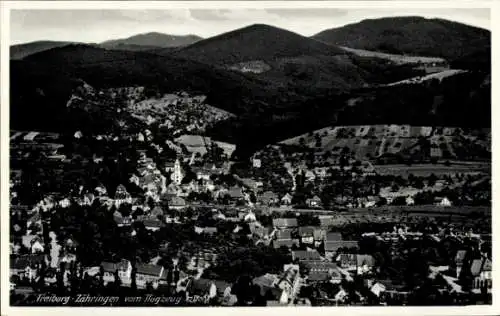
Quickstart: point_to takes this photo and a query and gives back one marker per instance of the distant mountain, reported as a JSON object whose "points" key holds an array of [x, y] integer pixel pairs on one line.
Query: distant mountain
{"points": [[277, 56], [410, 35], [22, 50], [131, 47], [151, 40], [255, 42]]}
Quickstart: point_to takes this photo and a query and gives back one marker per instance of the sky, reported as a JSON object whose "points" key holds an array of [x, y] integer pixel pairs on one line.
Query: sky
{"points": [[95, 26]]}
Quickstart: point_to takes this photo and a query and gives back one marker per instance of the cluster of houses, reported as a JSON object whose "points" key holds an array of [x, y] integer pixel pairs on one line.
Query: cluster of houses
{"points": [[178, 111], [339, 261]]}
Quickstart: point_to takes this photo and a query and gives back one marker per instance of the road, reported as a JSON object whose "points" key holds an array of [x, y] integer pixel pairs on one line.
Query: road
{"points": [[297, 284], [54, 250]]}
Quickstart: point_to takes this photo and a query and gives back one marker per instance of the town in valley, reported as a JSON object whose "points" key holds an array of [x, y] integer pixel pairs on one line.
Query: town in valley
{"points": [[140, 176]]}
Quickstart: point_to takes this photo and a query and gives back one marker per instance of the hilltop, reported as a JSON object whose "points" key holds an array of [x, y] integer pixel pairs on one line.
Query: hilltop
{"points": [[255, 42], [277, 56], [21, 51], [410, 35], [151, 40]]}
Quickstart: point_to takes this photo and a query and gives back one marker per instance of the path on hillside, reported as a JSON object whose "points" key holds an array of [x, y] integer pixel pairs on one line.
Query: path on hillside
{"points": [[438, 75]]}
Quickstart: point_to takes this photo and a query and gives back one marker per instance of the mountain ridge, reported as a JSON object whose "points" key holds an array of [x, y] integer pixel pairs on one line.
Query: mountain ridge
{"points": [[153, 39], [256, 41], [410, 35]]}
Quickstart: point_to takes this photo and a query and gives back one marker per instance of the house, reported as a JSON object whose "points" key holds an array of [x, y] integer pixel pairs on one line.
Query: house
{"points": [[393, 290], [34, 220], [306, 255], [284, 238], [341, 295], [267, 284], [356, 262], [250, 217], [284, 234], [68, 258], [310, 176], [14, 248], [88, 198], [306, 234], [171, 276], [251, 184], [326, 221], [321, 172], [205, 230], [377, 289], [285, 222], [320, 266], [444, 202], [26, 266], [201, 173], [124, 268], [208, 288], [260, 231], [152, 224], [155, 212], [122, 220], [176, 203], [122, 196], [267, 198], [410, 201], [286, 199], [169, 166], [481, 272], [201, 287], [34, 243], [148, 273], [288, 243], [235, 194], [210, 230], [64, 203], [367, 202], [256, 163], [316, 277], [333, 236], [364, 263], [319, 235], [314, 202], [334, 241], [321, 271], [101, 190]]}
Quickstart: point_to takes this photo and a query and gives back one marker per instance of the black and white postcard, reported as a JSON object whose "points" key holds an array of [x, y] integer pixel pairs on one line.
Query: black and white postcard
{"points": [[247, 154]]}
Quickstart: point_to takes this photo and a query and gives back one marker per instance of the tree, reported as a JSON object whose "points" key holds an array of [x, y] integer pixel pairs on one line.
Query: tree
{"points": [[431, 180], [118, 281], [395, 187], [418, 183], [399, 200], [382, 202], [133, 276], [242, 290], [302, 142]]}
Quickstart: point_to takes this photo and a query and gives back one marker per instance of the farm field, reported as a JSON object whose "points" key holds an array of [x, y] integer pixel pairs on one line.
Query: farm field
{"points": [[424, 170], [371, 141], [398, 59], [439, 75]]}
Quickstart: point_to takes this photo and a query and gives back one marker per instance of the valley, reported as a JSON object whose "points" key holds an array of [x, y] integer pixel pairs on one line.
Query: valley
{"points": [[255, 167]]}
